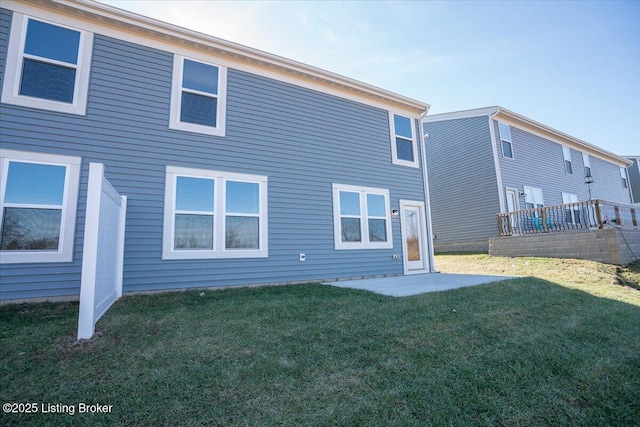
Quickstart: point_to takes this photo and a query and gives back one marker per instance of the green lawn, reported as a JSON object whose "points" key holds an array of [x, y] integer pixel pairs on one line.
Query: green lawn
{"points": [[560, 348]]}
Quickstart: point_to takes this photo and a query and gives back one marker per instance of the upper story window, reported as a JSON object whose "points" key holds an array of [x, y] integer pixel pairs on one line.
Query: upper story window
{"points": [[505, 138], [362, 219], [533, 197], [404, 149], [47, 66], [39, 197], [566, 154], [623, 176], [212, 214], [198, 97], [586, 160]]}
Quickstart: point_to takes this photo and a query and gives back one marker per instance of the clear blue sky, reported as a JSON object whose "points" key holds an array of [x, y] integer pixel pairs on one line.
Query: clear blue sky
{"points": [[572, 65]]}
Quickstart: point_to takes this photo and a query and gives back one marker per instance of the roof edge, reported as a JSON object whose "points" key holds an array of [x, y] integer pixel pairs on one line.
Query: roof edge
{"points": [[294, 68]]}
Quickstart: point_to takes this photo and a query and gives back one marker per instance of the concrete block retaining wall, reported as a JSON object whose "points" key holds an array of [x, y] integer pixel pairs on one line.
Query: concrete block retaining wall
{"points": [[612, 246]]}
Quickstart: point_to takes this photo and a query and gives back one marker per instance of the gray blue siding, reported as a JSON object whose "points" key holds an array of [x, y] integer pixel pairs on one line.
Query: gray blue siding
{"points": [[538, 162], [462, 180], [303, 140], [633, 172]]}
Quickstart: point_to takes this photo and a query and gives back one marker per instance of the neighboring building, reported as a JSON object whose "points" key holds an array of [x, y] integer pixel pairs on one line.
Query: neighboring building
{"points": [[490, 160], [634, 177], [240, 167]]}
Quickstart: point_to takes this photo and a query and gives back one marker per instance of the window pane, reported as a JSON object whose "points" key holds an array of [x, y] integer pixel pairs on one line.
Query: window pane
{"points": [[48, 81], [375, 205], [33, 184], [243, 197], [506, 149], [242, 232], [194, 232], [194, 194], [350, 228], [402, 126], [200, 77], [31, 229], [567, 167], [198, 109], [52, 42], [349, 203], [404, 149], [505, 132], [377, 230]]}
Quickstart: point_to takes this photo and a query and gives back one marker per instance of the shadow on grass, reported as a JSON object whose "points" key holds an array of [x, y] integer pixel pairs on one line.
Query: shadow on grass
{"points": [[519, 352]]}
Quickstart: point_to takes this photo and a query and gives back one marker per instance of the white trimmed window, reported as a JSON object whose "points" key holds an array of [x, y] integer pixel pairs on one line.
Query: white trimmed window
{"points": [[623, 176], [505, 140], [38, 194], [404, 149], [587, 164], [533, 197], [566, 155], [213, 214], [361, 217], [198, 97], [47, 66], [572, 213]]}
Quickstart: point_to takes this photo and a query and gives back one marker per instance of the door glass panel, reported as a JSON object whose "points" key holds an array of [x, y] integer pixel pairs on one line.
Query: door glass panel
{"points": [[412, 235]]}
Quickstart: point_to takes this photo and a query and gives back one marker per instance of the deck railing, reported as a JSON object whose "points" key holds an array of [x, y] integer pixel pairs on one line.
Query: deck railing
{"points": [[589, 214]]}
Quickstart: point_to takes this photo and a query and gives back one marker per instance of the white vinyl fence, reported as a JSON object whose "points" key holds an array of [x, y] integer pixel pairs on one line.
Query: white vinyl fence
{"points": [[103, 254]]}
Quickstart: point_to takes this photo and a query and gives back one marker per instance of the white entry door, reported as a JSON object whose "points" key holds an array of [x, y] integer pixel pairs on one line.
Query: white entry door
{"points": [[414, 242]]}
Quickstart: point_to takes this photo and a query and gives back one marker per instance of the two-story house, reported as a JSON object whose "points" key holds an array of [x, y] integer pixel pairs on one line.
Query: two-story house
{"points": [[490, 160], [240, 167]]}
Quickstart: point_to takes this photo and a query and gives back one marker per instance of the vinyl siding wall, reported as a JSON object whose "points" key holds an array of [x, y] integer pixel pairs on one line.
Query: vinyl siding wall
{"points": [[462, 180], [634, 178], [303, 140], [538, 162]]}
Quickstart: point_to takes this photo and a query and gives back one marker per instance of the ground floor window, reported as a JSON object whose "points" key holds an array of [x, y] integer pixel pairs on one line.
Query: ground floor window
{"points": [[38, 212], [361, 217], [214, 214]]}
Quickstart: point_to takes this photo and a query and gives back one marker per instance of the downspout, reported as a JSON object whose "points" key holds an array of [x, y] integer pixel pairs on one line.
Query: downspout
{"points": [[496, 161], [427, 199]]}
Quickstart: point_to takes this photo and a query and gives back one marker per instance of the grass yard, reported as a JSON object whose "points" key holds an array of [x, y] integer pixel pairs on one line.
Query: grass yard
{"points": [[561, 347]]}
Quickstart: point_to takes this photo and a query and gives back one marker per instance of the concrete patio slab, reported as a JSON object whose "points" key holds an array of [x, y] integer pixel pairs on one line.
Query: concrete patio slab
{"points": [[402, 286]]}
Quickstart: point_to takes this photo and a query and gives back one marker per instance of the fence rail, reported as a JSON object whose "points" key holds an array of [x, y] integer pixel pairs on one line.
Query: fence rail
{"points": [[588, 214]]}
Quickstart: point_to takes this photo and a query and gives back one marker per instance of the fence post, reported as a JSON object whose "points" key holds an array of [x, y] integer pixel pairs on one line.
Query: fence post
{"points": [[634, 218], [545, 227], [616, 210], [598, 214]]}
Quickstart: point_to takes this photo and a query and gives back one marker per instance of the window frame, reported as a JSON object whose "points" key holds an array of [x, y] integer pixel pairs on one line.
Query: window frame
{"points": [[623, 177], [534, 194], [586, 161], [364, 218], [14, 65], [566, 156], [69, 205], [394, 149], [219, 215], [504, 140], [176, 99]]}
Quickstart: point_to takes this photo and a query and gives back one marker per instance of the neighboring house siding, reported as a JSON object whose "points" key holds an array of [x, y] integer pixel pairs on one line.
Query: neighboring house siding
{"points": [[634, 178], [462, 180], [538, 162], [303, 140]]}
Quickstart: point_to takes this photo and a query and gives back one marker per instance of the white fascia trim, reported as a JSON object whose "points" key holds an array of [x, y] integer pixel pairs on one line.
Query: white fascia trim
{"points": [[465, 114], [496, 161], [172, 38]]}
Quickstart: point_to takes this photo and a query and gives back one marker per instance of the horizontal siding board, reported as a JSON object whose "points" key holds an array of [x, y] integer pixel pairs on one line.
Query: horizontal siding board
{"points": [[462, 180], [302, 140]]}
